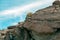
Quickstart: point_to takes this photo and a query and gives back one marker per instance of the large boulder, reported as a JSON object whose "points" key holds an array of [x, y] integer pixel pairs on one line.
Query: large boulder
{"points": [[44, 24], [46, 20]]}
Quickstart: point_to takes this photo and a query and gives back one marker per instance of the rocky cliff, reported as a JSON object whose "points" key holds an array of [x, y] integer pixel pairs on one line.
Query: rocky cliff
{"points": [[44, 24]]}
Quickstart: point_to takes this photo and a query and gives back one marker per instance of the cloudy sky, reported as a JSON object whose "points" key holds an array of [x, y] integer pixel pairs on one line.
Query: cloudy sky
{"points": [[14, 11]]}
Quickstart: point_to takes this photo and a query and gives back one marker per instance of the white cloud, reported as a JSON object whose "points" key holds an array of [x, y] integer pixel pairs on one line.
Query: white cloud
{"points": [[15, 23], [19, 10]]}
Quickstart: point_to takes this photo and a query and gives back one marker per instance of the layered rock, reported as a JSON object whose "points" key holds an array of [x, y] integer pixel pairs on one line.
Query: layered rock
{"points": [[44, 21], [44, 24]]}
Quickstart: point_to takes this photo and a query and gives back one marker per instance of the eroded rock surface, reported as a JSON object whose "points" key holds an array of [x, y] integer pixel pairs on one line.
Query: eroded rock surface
{"points": [[44, 24]]}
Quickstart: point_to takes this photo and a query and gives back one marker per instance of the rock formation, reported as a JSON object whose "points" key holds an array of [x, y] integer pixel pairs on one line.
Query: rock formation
{"points": [[44, 24]]}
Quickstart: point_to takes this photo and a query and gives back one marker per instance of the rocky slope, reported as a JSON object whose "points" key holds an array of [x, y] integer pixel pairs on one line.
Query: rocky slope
{"points": [[44, 24]]}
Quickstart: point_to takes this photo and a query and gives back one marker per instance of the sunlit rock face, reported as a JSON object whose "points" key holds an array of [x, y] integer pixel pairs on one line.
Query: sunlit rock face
{"points": [[46, 20], [44, 24]]}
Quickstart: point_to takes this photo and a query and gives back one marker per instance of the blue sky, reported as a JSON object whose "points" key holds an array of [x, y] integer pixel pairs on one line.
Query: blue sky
{"points": [[14, 11]]}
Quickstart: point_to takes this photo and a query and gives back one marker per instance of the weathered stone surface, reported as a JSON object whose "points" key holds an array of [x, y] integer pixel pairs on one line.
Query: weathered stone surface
{"points": [[44, 21], [44, 24]]}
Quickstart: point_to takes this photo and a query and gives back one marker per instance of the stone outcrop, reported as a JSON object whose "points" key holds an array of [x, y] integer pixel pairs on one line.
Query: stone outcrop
{"points": [[44, 24], [44, 21]]}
